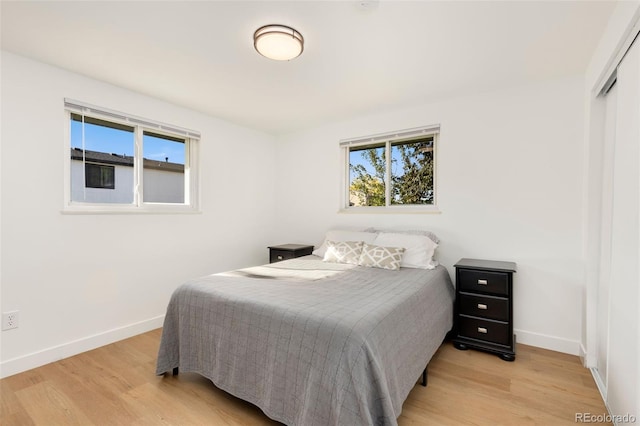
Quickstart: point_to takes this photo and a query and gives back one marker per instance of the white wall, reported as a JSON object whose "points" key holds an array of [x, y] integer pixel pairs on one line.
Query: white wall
{"points": [[81, 281], [509, 188]]}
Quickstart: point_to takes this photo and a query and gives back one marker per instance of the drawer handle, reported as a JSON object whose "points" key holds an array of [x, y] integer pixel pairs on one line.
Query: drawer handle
{"points": [[482, 306], [279, 257], [482, 330], [482, 282]]}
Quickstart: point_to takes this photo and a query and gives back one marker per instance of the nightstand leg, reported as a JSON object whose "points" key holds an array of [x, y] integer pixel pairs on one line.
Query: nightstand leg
{"points": [[460, 346]]}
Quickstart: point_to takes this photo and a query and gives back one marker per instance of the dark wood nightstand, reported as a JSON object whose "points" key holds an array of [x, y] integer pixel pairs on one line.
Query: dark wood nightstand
{"points": [[288, 251], [483, 313]]}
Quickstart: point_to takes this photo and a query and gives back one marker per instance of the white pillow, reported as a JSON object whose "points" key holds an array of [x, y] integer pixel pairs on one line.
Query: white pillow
{"points": [[419, 249], [381, 257], [343, 252], [429, 234], [343, 235]]}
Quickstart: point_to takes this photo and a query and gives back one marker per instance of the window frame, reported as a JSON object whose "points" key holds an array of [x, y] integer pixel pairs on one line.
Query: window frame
{"points": [[388, 139], [140, 125]]}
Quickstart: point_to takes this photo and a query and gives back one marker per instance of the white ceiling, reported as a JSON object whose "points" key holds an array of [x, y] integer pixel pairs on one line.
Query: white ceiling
{"points": [[356, 60]]}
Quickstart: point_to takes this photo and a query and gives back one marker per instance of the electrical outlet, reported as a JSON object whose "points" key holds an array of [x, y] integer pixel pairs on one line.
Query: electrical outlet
{"points": [[10, 320]]}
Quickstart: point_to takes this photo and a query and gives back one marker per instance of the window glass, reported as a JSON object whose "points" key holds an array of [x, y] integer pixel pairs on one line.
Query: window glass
{"points": [[101, 143], [412, 172], [164, 165], [367, 176]]}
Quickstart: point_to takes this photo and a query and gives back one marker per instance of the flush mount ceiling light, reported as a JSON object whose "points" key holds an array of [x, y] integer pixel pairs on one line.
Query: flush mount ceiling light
{"points": [[278, 42]]}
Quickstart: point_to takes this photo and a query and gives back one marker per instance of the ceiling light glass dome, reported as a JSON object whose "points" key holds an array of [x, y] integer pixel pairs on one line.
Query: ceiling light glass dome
{"points": [[278, 42]]}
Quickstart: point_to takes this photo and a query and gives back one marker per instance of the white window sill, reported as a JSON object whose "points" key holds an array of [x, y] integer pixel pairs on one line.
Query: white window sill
{"points": [[80, 209], [391, 210]]}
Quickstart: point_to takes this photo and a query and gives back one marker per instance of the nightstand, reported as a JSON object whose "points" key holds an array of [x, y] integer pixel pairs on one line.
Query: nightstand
{"points": [[483, 313], [288, 251]]}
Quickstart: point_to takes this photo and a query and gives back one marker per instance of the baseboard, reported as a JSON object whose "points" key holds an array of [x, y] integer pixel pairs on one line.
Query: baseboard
{"points": [[582, 353], [600, 384], [548, 342], [65, 350], [588, 359]]}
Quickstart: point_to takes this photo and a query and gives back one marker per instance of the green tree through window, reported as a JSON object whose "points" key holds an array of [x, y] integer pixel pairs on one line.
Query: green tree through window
{"points": [[412, 176], [406, 168], [367, 186]]}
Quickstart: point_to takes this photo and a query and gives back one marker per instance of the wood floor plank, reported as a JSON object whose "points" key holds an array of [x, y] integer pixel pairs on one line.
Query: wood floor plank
{"points": [[156, 406], [116, 385], [11, 410], [200, 394], [52, 406], [95, 392]]}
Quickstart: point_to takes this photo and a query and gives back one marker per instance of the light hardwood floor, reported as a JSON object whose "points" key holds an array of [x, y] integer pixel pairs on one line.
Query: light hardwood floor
{"points": [[116, 385]]}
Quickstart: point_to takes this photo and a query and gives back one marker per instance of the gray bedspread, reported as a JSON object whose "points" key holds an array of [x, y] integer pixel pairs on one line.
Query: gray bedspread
{"points": [[344, 349]]}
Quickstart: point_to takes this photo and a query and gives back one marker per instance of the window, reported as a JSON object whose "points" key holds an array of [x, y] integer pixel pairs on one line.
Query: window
{"points": [[121, 163], [99, 176], [394, 171]]}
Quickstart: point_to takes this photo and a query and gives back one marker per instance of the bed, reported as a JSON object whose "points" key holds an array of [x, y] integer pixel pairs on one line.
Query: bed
{"points": [[311, 342]]}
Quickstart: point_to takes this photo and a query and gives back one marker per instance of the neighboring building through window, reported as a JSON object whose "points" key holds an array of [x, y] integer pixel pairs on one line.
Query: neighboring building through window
{"points": [[391, 170], [163, 179], [121, 162], [99, 176]]}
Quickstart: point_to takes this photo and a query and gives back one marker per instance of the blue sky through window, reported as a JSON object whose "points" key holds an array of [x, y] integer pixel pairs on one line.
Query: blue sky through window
{"points": [[155, 148], [397, 167], [356, 157], [121, 142]]}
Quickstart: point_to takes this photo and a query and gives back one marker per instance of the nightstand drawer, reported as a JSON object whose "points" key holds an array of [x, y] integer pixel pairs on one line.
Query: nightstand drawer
{"points": [[496, 308], [487, 330], [288, 251], [278, 255], [483, 282]]}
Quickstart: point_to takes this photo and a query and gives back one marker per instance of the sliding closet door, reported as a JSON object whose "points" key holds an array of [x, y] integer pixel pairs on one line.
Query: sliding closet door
{"points": [[623, 354], [604, 280]]}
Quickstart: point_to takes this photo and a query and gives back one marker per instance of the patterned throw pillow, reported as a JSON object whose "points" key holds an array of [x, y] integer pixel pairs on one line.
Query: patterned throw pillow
{"points": [[343, 252], [419, 249], [381, 257]]}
